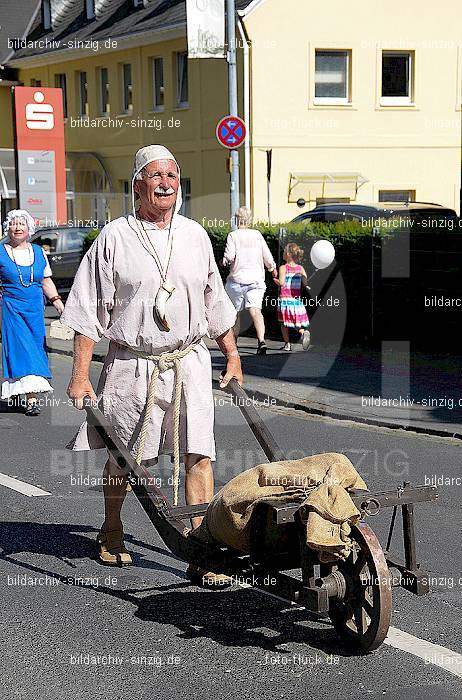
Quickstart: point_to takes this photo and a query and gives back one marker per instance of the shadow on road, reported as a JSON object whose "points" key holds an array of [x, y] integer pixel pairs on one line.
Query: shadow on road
{"points": [[14, 406], [232, 617], [430, 385], [67, 542], [238, 618]]}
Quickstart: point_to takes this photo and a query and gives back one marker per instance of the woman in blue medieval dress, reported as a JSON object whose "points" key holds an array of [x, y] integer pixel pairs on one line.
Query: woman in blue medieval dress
{"points": [[25, 276]]}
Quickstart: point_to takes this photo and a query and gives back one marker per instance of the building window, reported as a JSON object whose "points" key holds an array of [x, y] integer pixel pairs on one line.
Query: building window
{"points": [[104, 107], [397, 196], [332, 200], [60, 82], [35, 83], [127, 88], [397, 78], [185, 209], [158, 84], [127, 204], [83, 94], [332, 77], [90, 8], [46, 14], [70, 209], [181, 79]]}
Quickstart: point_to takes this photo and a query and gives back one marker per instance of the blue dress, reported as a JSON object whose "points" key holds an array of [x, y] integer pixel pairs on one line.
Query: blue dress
{"points": [[23, 322]]}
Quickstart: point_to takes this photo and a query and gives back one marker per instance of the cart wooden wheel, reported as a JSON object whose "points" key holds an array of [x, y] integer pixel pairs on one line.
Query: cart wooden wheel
{"points": [[362, 616]]}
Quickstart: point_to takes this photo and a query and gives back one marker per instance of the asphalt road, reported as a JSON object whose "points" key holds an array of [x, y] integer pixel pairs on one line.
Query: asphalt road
{"points": [[71, 627]]}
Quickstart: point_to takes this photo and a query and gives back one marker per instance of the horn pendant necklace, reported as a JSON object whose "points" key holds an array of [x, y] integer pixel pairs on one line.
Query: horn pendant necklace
{"points": [[166, 289]]}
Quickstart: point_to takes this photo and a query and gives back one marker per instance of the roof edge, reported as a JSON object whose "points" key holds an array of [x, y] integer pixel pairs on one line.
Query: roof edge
{"points": [[124, 41], [250, 8], [26, 29]]}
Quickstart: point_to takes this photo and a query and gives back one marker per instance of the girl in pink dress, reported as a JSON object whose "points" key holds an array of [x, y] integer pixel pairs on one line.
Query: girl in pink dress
{"points": [[291, 310]]}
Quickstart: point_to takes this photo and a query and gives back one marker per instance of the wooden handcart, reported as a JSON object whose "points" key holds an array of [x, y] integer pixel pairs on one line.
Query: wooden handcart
{"points": [[355, 594]]}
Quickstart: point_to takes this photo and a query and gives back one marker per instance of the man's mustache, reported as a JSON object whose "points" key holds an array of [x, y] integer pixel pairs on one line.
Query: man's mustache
{"points": [[161, 190]]}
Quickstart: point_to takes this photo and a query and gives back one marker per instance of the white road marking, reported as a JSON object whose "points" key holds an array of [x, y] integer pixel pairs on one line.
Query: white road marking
{"points": [[430, 653], [21, 486], [433, 654]]}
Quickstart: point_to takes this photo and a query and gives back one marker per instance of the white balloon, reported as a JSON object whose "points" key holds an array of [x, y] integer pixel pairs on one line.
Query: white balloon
{"points": [[322, 254]]}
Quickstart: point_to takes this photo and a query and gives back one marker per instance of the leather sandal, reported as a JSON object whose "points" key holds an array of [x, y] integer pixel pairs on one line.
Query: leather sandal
{"points": [[32, 409], [207, 579], [111, 548]]}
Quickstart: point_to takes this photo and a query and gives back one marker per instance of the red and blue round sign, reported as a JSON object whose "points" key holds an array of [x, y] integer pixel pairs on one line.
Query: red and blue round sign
{"points": [[231, 131]]}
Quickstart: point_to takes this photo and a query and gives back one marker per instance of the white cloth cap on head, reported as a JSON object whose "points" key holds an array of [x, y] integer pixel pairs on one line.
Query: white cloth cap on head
{"points": [[148, 154], [19, 214]]}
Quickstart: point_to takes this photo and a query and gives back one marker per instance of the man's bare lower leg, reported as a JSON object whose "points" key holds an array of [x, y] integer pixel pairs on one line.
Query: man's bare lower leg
{"points": [[114, 489], [198, 482]]}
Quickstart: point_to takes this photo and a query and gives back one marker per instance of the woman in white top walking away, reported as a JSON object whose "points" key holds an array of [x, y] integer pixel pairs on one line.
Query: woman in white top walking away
{"points": [[248, 254]]}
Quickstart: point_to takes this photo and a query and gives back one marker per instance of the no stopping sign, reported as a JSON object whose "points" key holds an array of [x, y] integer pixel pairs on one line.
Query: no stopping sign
{"points": [[231, 131]]}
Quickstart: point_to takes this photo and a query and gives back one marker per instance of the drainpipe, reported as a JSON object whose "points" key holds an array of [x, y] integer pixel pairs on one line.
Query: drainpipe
{"points": [[246, 66]]}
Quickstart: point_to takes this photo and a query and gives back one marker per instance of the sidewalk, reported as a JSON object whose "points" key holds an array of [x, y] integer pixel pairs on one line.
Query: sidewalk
{"points": [[419, 393]]}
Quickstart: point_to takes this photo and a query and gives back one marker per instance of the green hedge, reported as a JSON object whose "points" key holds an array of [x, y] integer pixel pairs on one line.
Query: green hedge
{"points": [[89, 238], [341, 234]]}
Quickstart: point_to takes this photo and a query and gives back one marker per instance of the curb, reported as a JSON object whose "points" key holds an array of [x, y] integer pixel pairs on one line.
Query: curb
{"points": [[322, 410]]}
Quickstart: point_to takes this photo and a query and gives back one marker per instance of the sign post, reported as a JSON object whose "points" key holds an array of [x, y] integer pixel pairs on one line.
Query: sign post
{"points": [[231, 132], [40, 154], [232, 92], [269, 157]]}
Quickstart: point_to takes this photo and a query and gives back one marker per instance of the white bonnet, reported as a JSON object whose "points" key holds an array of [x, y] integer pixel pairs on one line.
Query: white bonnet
{"points": [[19, 214]]}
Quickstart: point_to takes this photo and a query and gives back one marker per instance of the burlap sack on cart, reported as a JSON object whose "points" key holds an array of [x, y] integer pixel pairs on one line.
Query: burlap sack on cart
{"points": [[320, 481]]}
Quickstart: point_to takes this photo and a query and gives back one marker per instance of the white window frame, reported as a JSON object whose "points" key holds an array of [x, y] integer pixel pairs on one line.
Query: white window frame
{"points": [[125, 186], [395, 190], [63, 86], [186, 194], [126, 110], [398, 101], [334, 100], [90, 9], [102, 107], [178, 104], [46, 14], [156, 107], [86, 107]]}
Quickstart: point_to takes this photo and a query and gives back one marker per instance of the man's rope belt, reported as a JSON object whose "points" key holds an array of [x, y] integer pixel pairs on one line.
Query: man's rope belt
{"points": [[164, 362]]}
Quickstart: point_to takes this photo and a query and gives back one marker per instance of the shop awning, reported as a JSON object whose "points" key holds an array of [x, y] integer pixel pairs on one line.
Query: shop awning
{"points": [[313, 186]]}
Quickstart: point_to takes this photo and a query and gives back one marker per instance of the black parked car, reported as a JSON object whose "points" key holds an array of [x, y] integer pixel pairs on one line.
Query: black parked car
{"points": [[65, 248], [423, 215]]}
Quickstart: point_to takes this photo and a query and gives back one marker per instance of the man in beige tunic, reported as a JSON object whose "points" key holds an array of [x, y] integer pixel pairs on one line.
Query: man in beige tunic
{"points": [[123, 291]]}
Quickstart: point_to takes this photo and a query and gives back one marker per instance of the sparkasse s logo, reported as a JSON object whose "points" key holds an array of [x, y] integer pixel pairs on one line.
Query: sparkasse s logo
{"points": [[39, 127], [39, 114]]}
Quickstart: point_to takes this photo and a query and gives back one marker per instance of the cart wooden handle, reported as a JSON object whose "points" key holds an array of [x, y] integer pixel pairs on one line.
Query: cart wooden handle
{"points": [[246, 405]]}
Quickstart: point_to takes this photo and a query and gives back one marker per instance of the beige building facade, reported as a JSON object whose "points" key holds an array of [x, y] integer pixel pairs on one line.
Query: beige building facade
{"points": [[346, 103], [355, 101]]}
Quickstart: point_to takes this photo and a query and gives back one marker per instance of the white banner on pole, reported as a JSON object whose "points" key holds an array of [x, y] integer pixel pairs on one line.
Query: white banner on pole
{"points": [[206, 28]]}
